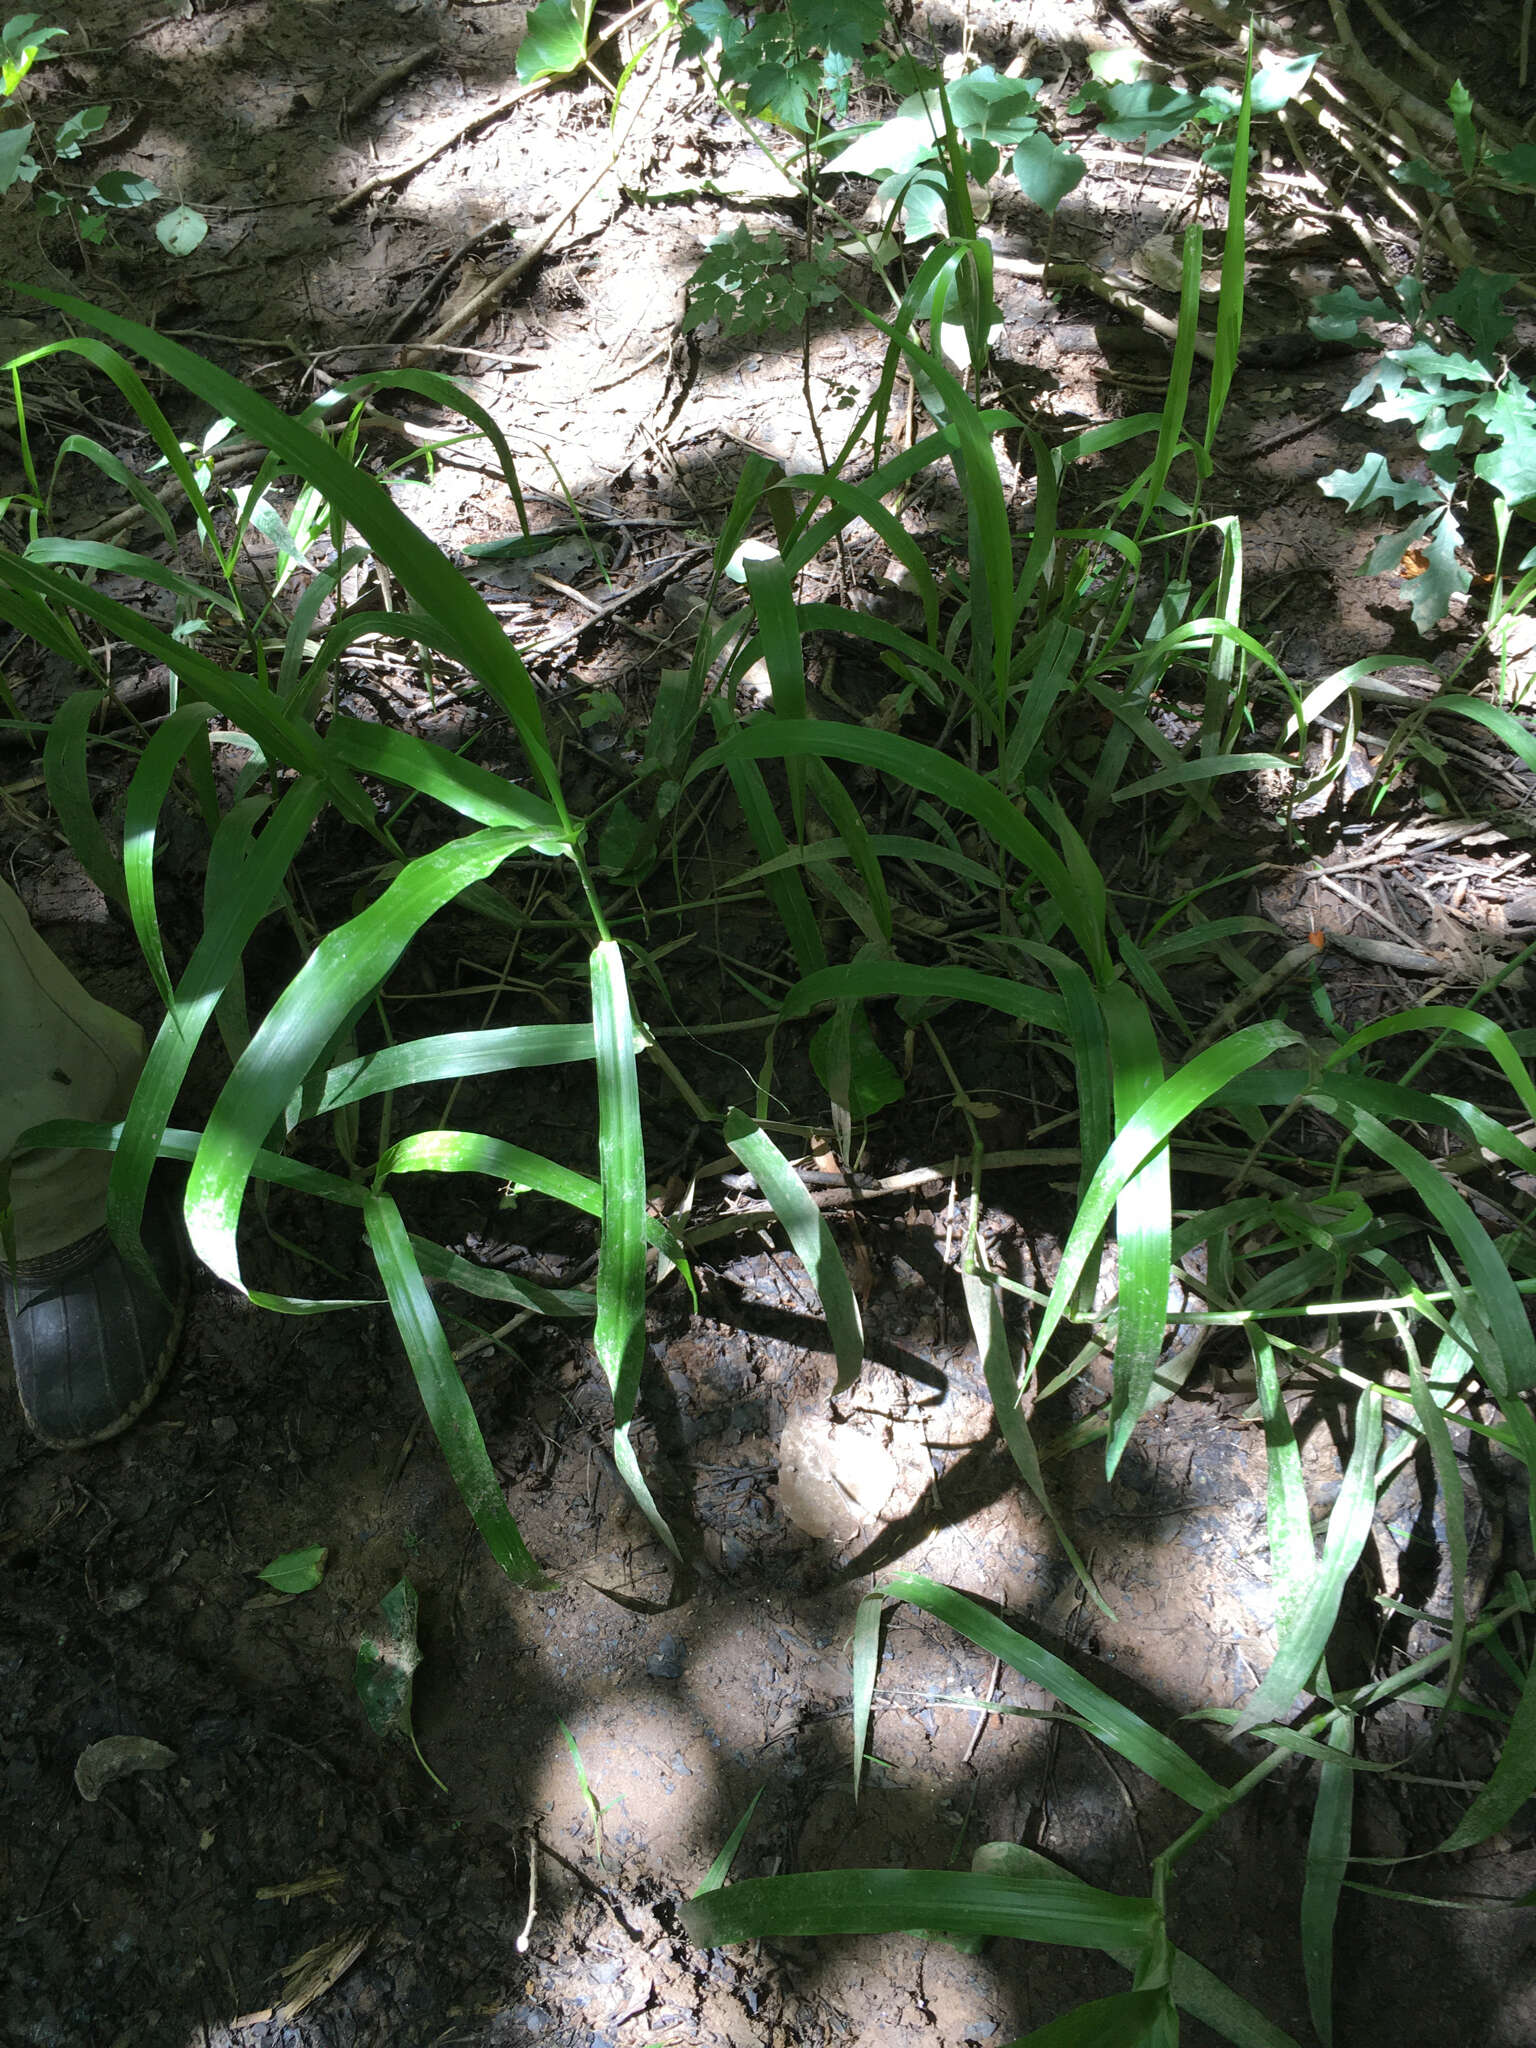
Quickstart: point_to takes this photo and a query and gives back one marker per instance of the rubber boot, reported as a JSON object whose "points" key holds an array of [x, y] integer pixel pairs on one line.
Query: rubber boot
{"points": [[91, 1339]]}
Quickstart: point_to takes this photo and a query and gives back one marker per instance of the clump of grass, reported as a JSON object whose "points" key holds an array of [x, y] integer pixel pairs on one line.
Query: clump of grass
{"points": [[1012, 646]]}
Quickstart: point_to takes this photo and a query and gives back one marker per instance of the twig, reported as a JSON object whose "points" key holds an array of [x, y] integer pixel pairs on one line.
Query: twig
{"points": [[981, 1718], [1491, 123], [354, 109], [435, 282], [356, 198], [481, 303]]}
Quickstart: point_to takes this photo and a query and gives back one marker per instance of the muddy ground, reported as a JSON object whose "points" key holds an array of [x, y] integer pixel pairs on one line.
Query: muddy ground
{"points": [[175, 1908]]}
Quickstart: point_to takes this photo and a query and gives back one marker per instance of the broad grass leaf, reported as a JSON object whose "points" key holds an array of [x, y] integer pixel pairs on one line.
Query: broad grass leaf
{"points": [[924, 768], [434, 584], [1513, 1781], [116, 471], [185, 728], [862, 980], [1442, 1453], [1127, 2020], [1143, 1224], [67, 774], [453, 1056], [102, 558], [1117, 1727], [1301, 1644], [1327, 1859], [619, 1334], [443, 1395], [1153, 1123], [215, 961], [806, 1228], [472, 791], [1195, 1988], [885, 1901], [281, 737], [1511, 1368], [989, 1329], [343, 969], [719, 1870], [786, 891], [1292, 1550]]}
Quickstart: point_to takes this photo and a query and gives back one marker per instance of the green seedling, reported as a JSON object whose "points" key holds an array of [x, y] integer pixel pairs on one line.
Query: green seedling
{"points": [[594, 1810], [1473, 416], [25, 157]]}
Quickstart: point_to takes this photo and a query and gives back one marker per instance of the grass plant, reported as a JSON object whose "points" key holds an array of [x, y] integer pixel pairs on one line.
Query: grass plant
{"points": [[980, 783]]}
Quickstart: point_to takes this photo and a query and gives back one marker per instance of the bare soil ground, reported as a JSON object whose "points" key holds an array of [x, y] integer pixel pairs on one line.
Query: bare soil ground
{"points": [[169, 1911]]}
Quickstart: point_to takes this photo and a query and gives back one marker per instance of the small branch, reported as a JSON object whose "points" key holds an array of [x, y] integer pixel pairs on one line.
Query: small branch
{"points": [[369, 97], [362, 193]]}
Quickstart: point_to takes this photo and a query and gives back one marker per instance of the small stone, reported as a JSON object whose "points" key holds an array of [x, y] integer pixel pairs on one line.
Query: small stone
{"points": [[667, 1659]]}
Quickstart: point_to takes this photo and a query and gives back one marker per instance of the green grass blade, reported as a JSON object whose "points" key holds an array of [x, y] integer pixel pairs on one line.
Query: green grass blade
{"points": [[306, 614], [442, 391], [1176, 403], [1511, 1368], [1481, 1031], [420, 567], [1201, 1994], [1292, 1550], [773, 599], [861, 979], [930, 665], [1178, 1097], [867, 1625], [136, 392], [1143, 1224], [104, 559], [472, 1152], [924, 768], [1502, 724], [1300, 1647], [454, 1056], [41, 619], [885, 1901], [786, 892], [1327, 1860], [1117, 1727], [883, 846], [344, 968], [846, 821], [1512, 1783], [442, 1393], [1127, 2020], [1234, 265], [487, 1283], [719, 1870], [254, 710], [215, 960], [807, 1231], [1206, 769], [67, 774], [1003, 1384], [619, 1336], [147, 792], [433, 771], [117, 472]]}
